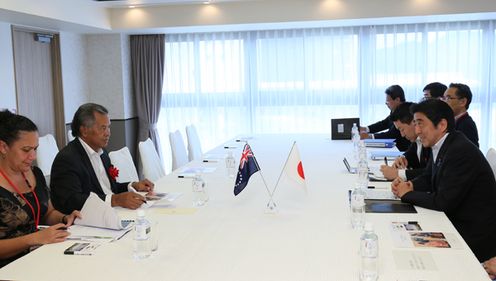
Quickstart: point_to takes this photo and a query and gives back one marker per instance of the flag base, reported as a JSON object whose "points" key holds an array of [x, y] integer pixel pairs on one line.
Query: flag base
{"points": [[271, 207]]}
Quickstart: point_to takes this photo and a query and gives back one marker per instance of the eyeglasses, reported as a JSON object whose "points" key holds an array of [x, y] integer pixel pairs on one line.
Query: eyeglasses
{"points": [[448, 98]]}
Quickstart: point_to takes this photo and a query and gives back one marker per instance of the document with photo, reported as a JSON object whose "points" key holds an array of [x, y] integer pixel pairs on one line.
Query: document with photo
{"points": [[406, 226]]}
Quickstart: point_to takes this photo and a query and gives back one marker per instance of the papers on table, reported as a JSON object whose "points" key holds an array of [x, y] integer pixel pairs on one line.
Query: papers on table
{"points": [[87, 233], [380, 194], [413, 260], [189, 172], [161, 199], [97, 213], [410, 235]]}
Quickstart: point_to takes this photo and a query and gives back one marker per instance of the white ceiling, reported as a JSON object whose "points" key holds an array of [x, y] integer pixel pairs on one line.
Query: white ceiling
{"points": [[141, 3]]}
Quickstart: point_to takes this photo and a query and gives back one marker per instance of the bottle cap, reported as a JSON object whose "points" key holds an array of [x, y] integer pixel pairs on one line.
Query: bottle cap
{"points": [[368, 226]]}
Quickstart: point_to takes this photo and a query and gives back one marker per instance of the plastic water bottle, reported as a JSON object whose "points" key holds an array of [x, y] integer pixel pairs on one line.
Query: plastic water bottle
{"points": [[363, 169], [230, 164], [141, 247], [200, 196], [369, 252], [357, 207], [355, 137]]}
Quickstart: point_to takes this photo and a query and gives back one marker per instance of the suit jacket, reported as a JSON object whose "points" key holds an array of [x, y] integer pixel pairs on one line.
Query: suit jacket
{"points": [[461, 184], [73, 178], [416, 166], [466, 125], [390, 132]]}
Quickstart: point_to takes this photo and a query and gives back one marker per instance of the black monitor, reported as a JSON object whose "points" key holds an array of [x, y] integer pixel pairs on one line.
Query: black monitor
{"points": [[341, 128]]}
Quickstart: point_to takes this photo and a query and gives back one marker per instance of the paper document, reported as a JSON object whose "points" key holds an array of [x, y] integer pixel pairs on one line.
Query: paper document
{"points": [[413, 260], [161, 199], [97, 213], [390, 155], [88, 233], [192, 171], [380, 194]]}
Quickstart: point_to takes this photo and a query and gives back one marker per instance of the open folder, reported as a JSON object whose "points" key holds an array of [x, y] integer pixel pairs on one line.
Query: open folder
{"points": [[97, 213], [383, 143]]}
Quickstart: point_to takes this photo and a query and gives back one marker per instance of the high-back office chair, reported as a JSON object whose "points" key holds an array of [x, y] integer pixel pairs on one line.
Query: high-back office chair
{"points": [[45, 154], [70, 137], [194, 145], [152, 165], [122, 160], [491, 158], [179, 154]]}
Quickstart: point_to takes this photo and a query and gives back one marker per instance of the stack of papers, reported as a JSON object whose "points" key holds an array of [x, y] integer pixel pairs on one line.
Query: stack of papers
{"points": [[190, 172], [88, 233], [97, 213]]}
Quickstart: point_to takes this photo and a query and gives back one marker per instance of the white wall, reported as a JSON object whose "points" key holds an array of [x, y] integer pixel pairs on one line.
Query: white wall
{"points": [[107, 84], [7, 82], [74, 72]]}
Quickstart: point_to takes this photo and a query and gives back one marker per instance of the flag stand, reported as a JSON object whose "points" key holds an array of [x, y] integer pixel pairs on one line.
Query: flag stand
{"points": [[271, 205], [282, 170]]}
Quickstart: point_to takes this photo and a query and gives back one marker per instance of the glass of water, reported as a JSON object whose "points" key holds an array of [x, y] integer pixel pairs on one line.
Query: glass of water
{"points": [[200, 196]]}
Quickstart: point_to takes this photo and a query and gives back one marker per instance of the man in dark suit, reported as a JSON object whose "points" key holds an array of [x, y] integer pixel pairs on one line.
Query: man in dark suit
{"points": [[458, 180], [434, 90], [415, 158], [459, 96], [385, 129], [83, 166]]}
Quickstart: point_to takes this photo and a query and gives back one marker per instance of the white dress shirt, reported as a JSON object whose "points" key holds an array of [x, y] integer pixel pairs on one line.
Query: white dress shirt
{"points": [[402, 172], [437, 147], [101, 174]]}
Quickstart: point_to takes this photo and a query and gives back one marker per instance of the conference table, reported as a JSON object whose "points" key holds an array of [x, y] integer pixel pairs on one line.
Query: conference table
{"points": [[234, 237]]}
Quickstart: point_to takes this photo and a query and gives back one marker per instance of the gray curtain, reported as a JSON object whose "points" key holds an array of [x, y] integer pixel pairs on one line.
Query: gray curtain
{"points": [[147, 64]]}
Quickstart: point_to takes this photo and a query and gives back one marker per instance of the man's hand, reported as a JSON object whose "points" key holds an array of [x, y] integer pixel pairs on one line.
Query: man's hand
{"points": [[400, 163], [144, 185], [399, 187], [490, 267], [389, 173], [130, 200], [364, 135]]}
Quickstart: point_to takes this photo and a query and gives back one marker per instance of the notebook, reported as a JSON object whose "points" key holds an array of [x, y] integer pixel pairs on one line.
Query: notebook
{"points": [[352, 170], [341, 128], [388, 206]]}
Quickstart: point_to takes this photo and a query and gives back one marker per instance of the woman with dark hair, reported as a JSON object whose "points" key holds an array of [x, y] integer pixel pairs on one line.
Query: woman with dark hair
{"points": [[24, 196]]}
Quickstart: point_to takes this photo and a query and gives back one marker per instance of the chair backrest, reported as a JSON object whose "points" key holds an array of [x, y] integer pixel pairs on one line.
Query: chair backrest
{"points": [[179, 154], [194, 145], [70, 137], [491, 158], [45, 154], [152, 165], [123, 161]]}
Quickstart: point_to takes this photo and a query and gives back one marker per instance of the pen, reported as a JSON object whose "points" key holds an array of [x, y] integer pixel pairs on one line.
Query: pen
{"points": [[80, 253], [385, 160], [184, 177], [209, 161], [228, 147]]}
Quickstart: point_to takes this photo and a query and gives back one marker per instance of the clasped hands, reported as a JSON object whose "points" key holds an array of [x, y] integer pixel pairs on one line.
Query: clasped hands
{"points": [[399, 187]]}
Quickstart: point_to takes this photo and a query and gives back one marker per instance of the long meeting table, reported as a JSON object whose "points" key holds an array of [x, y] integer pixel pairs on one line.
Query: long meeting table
{"points": [[234, 238]]}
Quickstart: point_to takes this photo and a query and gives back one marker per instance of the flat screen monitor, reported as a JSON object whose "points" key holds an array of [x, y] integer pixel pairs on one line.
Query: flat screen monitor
{"points": [[341, 128]]}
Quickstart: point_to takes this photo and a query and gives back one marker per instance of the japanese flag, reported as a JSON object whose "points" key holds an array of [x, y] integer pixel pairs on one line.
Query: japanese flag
{"points": [[294, 168]]}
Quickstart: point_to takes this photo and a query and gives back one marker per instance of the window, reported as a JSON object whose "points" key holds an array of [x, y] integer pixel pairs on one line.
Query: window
{"points": [[295, 81]]}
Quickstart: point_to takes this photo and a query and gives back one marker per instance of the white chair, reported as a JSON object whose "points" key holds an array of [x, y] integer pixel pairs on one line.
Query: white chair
{"points": [[122, 160], [152, 165], [45, 154], [491, 158], [194, 145], [179, 154], [70, 137]]}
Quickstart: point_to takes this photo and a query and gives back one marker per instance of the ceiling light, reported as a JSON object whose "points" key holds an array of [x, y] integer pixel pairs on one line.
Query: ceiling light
{"points": [[132, 7]]}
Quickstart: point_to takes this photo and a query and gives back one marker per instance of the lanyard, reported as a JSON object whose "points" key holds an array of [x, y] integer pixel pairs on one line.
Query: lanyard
{"points": [[36, 217]]}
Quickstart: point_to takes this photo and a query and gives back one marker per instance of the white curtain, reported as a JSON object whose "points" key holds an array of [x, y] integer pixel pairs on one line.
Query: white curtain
{"points": [[282, 81]]}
